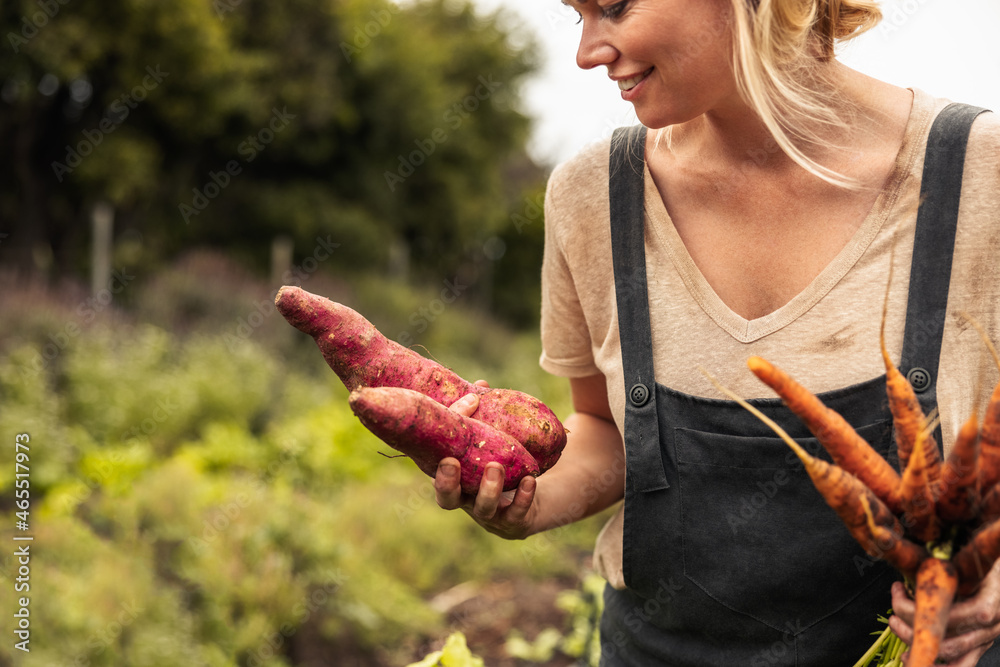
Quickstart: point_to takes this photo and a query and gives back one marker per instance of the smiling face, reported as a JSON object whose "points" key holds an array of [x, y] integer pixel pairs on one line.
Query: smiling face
{"points": [[671, 58]]}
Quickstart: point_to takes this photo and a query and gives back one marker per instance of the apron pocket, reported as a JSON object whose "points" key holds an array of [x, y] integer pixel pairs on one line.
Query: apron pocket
{"points": [[756, 535]]}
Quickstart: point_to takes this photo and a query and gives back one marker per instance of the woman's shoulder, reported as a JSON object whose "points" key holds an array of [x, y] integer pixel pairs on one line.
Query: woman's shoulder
{"points": [[582, 173], [982, 158], [984, 140], [985, 130], [577, 196]]}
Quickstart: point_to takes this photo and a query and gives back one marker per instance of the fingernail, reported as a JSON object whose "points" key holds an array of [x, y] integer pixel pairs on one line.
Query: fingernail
{"points": [[466, 401], [493, 474], [448, 470]]}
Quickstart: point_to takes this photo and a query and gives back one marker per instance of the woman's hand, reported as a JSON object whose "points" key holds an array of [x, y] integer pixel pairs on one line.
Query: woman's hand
{"points": [[589, 476], [973, 623], [504, 514]]}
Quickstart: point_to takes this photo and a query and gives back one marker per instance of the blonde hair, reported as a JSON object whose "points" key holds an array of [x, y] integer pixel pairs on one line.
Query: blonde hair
{"points": [[779, 47]]}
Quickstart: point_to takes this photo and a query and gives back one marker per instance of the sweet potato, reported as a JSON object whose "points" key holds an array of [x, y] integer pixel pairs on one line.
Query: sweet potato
{"points": [[362, 357], [427, 432]]}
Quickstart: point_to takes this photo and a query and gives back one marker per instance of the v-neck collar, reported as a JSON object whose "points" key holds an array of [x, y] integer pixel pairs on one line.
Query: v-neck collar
{"points": [[747, 331]]}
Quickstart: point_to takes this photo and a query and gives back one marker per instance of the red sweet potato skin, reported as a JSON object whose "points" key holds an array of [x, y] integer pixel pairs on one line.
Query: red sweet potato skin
{"points": [[427, 432], [362, 357], [525, 418]]}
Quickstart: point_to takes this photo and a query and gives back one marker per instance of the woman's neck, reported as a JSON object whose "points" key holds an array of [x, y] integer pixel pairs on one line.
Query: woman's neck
{"points": [[872, 111]]}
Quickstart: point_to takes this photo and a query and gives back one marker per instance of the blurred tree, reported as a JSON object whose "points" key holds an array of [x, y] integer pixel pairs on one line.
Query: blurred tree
{"points": [[385, 128]]}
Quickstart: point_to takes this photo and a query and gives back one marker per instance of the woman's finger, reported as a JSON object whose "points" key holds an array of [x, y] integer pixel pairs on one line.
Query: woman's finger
{"points": [[515, 514], [979, 611], [490, 491], [902, 604], [901, 628], [973, 643], [447, 484], [970, 660], [466, 405]]}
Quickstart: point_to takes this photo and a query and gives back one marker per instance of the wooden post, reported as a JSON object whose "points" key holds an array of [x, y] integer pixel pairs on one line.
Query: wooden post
{"points": [[399, 260], [281, 259], [102, 224]]}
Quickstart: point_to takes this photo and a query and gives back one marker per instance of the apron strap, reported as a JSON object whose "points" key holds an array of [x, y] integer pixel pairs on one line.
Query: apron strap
{"points": [[643, 459], [933, 247]]}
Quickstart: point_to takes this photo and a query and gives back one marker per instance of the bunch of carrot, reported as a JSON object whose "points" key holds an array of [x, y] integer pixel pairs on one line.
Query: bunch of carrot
{"points": [[938, 523]]}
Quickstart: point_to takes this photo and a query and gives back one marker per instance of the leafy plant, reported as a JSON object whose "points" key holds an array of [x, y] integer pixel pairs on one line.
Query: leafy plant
{"points": [[455, 653], [582, 640], [197, 504]]}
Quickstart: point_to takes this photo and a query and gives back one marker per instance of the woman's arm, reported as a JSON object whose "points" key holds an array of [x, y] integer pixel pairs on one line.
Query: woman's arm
{"points": [[589, 476]]}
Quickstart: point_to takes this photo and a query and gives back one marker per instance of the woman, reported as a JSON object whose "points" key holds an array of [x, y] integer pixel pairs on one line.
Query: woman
{"points": [[760, 213]]}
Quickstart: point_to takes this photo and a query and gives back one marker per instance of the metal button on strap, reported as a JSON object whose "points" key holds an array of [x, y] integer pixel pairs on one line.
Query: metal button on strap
{"points": [[919, 379], [638, 394]]}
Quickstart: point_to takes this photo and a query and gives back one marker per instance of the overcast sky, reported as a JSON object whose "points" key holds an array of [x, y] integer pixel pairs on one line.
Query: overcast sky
{"points": [[944, 47]]}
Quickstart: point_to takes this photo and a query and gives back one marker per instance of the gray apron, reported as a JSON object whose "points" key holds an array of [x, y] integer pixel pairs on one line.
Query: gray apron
{"points": [[731, 557]]}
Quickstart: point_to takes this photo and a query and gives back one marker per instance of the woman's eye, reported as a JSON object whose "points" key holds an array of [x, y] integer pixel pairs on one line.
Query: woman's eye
{"points": [[609, 12], [615, 10]]}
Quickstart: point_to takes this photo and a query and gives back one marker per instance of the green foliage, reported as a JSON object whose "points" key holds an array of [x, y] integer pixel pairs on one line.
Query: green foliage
{"points": [[201, 493], [230, 122], [455, 653], [148, 387], [517, 270], [582, 640], [198, 501], [887, 648]]}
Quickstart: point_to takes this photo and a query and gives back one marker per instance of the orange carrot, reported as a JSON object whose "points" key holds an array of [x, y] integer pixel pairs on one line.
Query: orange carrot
{"points": [[849, 497], [989, 508], [959, 496], [989, 434], [936, 585], [917, 493], [895, 549], [844, 492], [989, 443], [848, 449], [974, 560], [907, 415]]}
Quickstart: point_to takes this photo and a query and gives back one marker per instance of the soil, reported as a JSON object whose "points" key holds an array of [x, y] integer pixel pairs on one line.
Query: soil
{"points": [[487, 613]]}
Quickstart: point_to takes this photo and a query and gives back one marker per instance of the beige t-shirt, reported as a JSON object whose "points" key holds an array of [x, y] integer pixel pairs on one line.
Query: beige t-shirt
{"points": [[826, 337]]}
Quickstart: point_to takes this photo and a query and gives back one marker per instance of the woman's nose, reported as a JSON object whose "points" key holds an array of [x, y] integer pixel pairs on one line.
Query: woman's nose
{"points": [[595, 49]]}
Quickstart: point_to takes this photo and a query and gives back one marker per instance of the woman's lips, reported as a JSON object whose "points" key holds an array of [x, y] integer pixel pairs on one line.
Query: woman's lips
{"points": [[628, 84]]}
